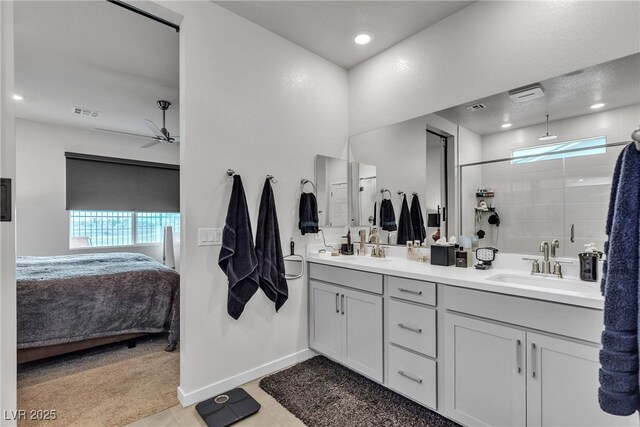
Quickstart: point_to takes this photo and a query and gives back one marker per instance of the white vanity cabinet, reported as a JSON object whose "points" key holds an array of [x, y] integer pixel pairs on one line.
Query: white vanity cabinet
{"points": [[562, 384], [346, 324], [499, 374], [412, 339]]}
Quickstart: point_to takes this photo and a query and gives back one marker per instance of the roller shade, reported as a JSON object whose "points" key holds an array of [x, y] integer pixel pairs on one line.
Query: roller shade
{"points": [[111, 184]]}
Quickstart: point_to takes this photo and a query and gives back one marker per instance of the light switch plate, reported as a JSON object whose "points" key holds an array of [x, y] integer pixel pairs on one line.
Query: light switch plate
{"points": [[209, 236]]}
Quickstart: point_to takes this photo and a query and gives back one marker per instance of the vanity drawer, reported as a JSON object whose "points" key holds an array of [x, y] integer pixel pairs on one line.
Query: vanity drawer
{"points": [[370, 282], [413, 326], [412, 290], [413, 375]]}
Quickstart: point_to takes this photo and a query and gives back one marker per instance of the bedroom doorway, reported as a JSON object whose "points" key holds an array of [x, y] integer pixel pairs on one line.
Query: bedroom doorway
{"points": [[98, 231]]}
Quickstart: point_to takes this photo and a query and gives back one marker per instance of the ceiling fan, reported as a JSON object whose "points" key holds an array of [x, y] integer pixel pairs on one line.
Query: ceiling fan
{"points": [[160, 135]]}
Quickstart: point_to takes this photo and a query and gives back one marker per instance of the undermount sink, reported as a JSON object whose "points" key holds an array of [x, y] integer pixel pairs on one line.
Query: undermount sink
{"points": [[543, 281], [362, 259]]}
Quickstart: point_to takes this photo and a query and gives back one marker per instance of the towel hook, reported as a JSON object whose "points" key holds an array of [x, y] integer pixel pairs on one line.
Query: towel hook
{"points": [[636, 138], [231, 173], [400, 193], [384, 190], [272, 179], [414, 193], [304, 181]]}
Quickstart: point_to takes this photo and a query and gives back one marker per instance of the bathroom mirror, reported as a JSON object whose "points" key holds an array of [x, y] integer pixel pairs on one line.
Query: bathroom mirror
{"points": [[332, 191], [410, 158], [363, 194], [521, 182]]}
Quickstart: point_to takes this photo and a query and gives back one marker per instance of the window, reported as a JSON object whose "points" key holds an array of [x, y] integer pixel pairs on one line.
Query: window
{"points": [[117, 228], [561, 150]]}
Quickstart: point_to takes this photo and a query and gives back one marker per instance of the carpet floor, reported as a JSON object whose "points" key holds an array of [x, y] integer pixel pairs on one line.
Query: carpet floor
{"points": [[108, 386], [322, 394]]}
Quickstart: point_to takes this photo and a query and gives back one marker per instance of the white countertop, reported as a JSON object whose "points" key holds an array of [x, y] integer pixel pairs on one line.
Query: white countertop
{"points": [[565, 291]]}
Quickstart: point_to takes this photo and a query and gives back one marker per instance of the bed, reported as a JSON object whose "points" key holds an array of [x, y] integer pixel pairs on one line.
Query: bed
{"points": [[72, 302]]}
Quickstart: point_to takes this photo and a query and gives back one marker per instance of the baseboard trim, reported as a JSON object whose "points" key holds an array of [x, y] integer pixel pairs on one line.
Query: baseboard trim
{"points": [[189, 398]]}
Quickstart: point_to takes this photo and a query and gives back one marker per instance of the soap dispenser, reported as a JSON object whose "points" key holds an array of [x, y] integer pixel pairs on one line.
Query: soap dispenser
{"points": [[589, 263]]}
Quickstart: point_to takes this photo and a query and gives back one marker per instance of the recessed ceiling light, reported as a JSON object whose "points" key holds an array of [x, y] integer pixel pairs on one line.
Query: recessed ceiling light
{"points": [[598, 105], [17, 97], [362, 38], [506, 125]]}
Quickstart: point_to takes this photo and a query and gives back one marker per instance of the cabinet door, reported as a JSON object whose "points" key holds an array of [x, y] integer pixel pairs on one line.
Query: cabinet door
{"points": [[325, 323], [362, 333], [562, 385], [484, 373]]}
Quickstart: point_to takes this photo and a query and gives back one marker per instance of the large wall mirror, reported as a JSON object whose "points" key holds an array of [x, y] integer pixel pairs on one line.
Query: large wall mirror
{"points": [[332, 191], [523, 180], [409, 160]]}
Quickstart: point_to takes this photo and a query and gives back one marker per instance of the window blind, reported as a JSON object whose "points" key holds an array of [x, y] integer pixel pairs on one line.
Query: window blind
{"points": [[112, 184]]}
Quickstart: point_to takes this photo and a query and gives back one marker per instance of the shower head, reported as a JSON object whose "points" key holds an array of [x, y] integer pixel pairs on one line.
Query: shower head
{"points": [[547, 136]]}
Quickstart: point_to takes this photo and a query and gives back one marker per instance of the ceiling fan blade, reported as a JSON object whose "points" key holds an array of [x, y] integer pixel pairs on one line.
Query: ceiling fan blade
{"points": [[154, 129], [125, 133], [151, 144]]}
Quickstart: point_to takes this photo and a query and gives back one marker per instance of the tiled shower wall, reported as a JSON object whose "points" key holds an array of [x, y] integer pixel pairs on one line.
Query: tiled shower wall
{"points": [[539, 201]]}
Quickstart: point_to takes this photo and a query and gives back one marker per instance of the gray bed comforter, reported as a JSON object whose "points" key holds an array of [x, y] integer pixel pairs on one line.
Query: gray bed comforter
{"points": [[63, 299]]}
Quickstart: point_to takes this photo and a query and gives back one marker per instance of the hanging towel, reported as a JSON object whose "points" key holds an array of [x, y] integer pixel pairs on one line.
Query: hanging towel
{"points": [[619, 393], [387, 216], [308, 212], [417, 220], [238, 255], [405, 228], [375, 213], [269, 250]]}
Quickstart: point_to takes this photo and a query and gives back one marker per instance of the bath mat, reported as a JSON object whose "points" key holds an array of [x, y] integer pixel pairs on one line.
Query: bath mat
{"points": [[322, 394]]}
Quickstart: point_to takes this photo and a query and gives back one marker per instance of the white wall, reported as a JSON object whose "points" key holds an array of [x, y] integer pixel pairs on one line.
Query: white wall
{"points": [[539, 201], [487, 48], [7, 229], [43, 222], [254, 102]]}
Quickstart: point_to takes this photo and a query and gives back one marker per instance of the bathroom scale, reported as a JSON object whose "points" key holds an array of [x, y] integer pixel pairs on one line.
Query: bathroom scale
{"points": [[227, 408]]}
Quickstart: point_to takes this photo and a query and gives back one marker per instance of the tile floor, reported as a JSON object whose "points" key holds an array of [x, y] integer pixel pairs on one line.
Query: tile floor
{"points": [[272, 414]]}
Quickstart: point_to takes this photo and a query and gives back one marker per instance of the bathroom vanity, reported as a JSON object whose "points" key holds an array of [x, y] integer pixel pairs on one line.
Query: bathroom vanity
{"points": [[490, 348]]}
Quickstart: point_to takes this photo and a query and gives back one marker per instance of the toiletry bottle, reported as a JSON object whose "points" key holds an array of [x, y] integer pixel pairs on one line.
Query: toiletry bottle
{"points": [[589, 263]]}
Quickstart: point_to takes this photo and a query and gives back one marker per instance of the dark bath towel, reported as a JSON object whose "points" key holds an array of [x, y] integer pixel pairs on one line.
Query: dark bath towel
{"points": [[269, 250], [238, 255], [618, 392], [417, 220], [405, 227], [375, 213], [387, 216], [308, 212]]}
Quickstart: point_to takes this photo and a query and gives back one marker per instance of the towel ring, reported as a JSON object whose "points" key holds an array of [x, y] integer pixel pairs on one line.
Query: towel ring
{"points": [[306, 181], [636, 138], [272, 179], [384, 190]]}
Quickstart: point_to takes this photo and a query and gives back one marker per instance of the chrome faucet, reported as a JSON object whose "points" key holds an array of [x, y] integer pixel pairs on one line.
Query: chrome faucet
{"points": [[378, 251], [546, 265], [555, 244]]}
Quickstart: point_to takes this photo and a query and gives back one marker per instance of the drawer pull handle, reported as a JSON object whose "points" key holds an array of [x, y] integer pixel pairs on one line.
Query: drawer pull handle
{"points": [[409, 291], [533, 360], [416, 330], [411, 377], [337, 303]]}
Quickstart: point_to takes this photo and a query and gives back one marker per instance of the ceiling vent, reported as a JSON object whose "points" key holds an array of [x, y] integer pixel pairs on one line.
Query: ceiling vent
{"points": [[526, 93], [475, 107], [86, 112]]}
